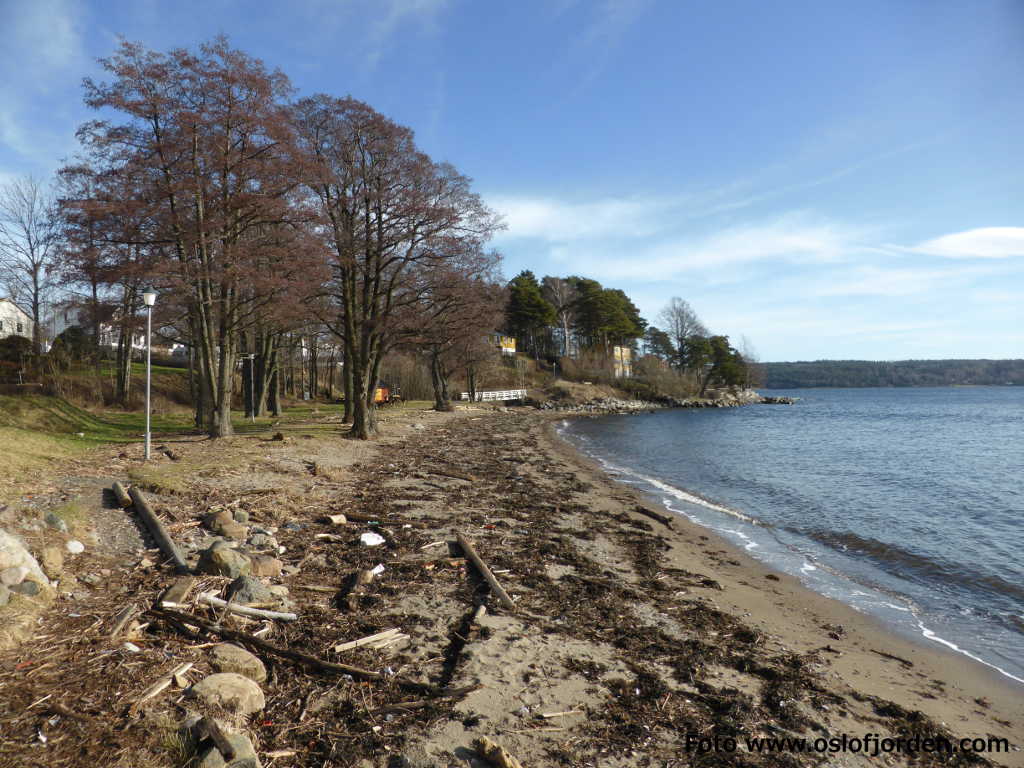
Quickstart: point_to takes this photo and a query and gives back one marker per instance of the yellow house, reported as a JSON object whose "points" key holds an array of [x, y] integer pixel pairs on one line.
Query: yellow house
{"points": [[622, 359], [507, 344]]}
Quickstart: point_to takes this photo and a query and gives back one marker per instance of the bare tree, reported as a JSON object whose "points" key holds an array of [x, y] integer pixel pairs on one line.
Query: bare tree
{"points": [[28, 239], [388, 214], [679, 320], [207, 144], [562, 295]]}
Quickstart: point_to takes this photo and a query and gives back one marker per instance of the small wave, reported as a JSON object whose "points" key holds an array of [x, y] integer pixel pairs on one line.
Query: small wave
{"points": [[930, 635], [680, 494], [928, 568]]}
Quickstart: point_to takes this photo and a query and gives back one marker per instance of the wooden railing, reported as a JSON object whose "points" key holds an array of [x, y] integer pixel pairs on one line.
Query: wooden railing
{"points": [[497, 394]]}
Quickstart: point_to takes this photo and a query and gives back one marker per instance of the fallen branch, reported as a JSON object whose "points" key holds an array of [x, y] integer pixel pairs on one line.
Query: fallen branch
{"points": [[211, 728], [245, 610], [495, 753], [178, 619], [156, 528], [411, 706], [160, 685], [481, 566], [122, 618]]}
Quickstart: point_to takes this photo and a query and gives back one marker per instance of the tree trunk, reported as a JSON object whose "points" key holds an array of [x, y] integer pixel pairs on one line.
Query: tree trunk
{"points": [[314, 366], [331, 368], [274, 398], [439, 381], [347, 384]]}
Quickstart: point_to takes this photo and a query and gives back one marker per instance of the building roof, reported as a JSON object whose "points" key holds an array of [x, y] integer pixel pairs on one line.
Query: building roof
{"points": [[15, 306]]}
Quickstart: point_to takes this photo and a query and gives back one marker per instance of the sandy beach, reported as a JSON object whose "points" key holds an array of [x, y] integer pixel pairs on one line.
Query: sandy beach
{"points": [[633, 642]]}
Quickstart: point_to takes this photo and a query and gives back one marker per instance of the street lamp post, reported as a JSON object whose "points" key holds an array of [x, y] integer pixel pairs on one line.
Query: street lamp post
{"points": [[149, 299]]}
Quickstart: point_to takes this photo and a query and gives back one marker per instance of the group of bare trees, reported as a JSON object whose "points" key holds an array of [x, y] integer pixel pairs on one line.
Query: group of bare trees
{"points": [[259, 217]]}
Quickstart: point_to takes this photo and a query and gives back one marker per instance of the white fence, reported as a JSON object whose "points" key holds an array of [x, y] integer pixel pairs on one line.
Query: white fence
{"points": [[498, 394]]}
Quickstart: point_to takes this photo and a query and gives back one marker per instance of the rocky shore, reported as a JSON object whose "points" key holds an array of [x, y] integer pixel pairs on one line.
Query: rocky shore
{"points": [[467, 588], [609, 405]]}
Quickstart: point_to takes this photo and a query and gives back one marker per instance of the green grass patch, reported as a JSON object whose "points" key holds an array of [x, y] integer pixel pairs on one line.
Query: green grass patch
{"points": [[163, 482], [53, 415], [71, 512]]}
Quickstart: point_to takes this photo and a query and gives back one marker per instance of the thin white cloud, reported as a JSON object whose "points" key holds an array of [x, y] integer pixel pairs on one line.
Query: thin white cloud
{"points": [[41, 52], [643, 238], [610, 21], [392, 15], [981, 243], [558, 221]]}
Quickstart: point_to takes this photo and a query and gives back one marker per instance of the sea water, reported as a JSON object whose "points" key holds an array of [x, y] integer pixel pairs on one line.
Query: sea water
{"points": [[907, 504]]}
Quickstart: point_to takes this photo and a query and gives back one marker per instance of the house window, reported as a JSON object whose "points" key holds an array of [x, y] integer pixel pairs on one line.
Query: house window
{"points": [[1, 325], [19, 328]]}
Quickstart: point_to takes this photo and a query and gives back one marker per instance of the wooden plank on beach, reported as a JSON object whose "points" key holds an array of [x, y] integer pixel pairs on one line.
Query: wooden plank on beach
{"points": [[178, 591], [368, 640]]}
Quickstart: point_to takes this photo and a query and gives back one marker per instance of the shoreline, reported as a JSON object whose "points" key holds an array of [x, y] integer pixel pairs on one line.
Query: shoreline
{"points": [[627, 636], [809, 610], [920, 634]]}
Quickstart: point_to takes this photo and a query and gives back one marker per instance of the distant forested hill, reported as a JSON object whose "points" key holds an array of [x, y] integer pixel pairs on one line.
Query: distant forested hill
{"points": [[901, 373]]}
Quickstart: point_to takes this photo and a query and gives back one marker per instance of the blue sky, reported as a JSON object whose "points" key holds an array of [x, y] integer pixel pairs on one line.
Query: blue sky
{"points": [[830, 180]]}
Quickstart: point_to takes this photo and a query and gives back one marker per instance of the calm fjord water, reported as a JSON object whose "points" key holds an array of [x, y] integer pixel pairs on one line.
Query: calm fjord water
{"points": [[906, 503]]}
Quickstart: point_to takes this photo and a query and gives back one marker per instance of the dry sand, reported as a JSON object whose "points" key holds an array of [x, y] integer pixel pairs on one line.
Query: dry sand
{"points": [[627, 635]]}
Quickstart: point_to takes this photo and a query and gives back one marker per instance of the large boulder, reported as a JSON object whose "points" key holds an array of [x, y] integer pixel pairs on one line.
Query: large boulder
{"points": [[221, 560], [246, 590], [265, 565], [26, 578], [16, 562], [230, 658], [229, 691]]}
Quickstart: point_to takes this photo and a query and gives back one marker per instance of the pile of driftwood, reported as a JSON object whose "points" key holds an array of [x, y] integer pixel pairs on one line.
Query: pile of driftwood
{"points": [[172, 609]]}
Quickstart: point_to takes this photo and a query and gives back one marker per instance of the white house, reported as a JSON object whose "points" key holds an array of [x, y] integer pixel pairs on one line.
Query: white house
{"points": [[13, 320]]}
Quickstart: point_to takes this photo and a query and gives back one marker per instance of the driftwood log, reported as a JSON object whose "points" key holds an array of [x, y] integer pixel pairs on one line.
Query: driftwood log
{"points": [[123, 499], [157, 530], [481, 566], [245, 610]]}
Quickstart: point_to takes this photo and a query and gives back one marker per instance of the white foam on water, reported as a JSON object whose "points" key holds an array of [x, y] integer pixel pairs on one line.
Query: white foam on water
{"points": [[677, 493], [930, 635], [861, 606]]}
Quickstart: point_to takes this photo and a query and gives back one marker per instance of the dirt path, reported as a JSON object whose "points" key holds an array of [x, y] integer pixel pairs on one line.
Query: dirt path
{"points": [[620, 645]]}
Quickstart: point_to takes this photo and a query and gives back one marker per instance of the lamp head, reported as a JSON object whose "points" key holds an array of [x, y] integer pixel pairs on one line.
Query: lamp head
{"points": [[149, 297]]}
